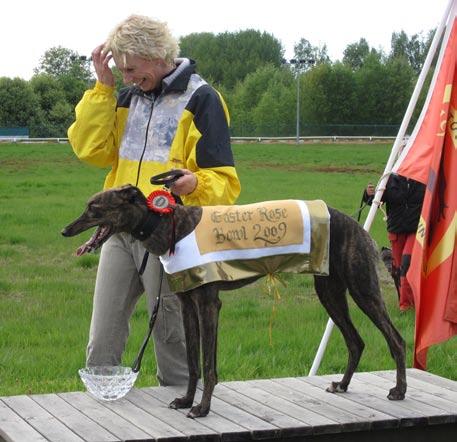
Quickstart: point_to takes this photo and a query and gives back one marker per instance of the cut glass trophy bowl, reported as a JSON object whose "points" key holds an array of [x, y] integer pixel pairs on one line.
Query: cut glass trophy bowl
{"points": [[108, 383]]}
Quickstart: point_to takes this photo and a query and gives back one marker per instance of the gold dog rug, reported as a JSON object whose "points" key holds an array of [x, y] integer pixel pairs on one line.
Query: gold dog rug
{"points": [[237, 242]]}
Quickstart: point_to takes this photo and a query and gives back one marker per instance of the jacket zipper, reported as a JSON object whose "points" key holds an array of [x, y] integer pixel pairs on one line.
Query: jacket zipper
{"points": [[145, 143]]}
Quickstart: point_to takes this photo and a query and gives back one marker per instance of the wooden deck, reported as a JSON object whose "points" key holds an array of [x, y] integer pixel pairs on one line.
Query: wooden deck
{"points": [[292, 409]]}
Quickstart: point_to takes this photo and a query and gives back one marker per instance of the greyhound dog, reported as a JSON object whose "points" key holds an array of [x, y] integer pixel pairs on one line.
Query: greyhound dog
{"points": [[352, 266]]}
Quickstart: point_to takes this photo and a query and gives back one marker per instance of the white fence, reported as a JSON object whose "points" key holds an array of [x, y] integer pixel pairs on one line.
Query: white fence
{"points": [[289, 140], [32, 140]]}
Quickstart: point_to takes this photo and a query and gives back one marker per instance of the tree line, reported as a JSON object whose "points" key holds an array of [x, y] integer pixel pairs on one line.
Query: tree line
{"points": [[364, 93]]}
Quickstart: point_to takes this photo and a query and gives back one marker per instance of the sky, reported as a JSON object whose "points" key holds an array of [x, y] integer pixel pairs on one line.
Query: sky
{"points": [[29, 28]]}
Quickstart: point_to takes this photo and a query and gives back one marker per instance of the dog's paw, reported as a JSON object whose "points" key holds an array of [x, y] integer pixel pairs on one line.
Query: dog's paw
{"points": [[335, 387], [180, 402], [395, 394], [198, 411]]}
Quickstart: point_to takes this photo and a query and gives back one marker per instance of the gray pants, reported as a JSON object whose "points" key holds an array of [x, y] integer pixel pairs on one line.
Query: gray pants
{"points": [[117, 290]]}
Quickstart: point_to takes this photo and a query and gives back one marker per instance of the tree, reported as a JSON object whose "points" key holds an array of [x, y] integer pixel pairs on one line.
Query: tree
{"points": [[248, 94], [57, 113], [413, 49], [398, 85], [274, 115], [228, 57], [304, 50], [203, 48], [19, 105], [69, 68], [355, 54], [48, 91], [73, 88], [328, 97], [59, 61], [61, 116], [383, 90]]}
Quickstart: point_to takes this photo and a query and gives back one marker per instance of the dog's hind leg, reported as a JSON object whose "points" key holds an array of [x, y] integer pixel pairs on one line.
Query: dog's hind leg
{"points": [[192, 334], [208, 305], [370, 301], [332, 294]]}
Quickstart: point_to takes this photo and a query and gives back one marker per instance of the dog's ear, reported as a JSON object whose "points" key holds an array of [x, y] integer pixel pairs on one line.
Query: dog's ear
{"points": [[132, 194]]}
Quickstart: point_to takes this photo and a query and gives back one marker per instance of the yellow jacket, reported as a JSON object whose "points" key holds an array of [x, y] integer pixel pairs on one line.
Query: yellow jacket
{"points": [[140, 135]]}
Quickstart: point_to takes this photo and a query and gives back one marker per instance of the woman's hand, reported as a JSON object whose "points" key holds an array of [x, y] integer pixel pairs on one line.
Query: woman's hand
{"points": [[100, 59], [186, 184]]}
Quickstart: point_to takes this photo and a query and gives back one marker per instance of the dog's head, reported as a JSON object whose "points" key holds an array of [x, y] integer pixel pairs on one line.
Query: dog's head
{"points": [[115, 210]]}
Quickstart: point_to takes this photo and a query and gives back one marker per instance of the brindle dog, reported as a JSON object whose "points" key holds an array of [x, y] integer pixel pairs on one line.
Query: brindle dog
{"points": [[353, 260]]}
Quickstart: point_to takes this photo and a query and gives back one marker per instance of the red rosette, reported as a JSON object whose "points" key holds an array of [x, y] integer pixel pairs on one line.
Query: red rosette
{"points": [[161, 201]]}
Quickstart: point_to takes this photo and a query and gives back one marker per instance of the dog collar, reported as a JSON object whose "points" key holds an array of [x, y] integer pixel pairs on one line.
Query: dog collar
{"points": [[161, 201], [147, 226]]}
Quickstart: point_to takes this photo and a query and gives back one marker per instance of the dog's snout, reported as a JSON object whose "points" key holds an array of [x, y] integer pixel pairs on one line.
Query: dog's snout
{"points": [[69, 230]]}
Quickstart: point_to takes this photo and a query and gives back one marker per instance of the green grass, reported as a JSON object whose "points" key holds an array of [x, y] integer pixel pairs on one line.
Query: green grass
{"points": [[46, 292]]}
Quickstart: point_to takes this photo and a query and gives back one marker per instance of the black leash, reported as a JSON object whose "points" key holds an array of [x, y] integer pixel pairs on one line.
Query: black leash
{"points": [[365, 201], [143, 263], [166, 179], [137, 364], [361, 207]]}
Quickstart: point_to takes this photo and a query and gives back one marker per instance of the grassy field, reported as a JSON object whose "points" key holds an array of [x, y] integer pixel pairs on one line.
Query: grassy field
{"points": [[46, 292]]}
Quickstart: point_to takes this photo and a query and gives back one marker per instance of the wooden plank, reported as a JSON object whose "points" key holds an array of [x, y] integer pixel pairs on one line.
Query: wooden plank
{"points": [[286, 426], [341, 412], [105, 417], [231, 423], [15, 429], [148, 423], [352, 415], [314, 423], [432, 379], [438, 409], [188, 427], [78, 422], [42, 421], [258, 409], [375, 399], [414, 401]]}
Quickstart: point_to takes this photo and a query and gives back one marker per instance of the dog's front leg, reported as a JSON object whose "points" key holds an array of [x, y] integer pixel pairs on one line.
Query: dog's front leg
{"points": [[192, 334], [208, 304]]}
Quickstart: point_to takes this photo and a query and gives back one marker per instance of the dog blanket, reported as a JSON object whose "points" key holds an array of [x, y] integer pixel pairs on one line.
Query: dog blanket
{"points": [[237, 242]]}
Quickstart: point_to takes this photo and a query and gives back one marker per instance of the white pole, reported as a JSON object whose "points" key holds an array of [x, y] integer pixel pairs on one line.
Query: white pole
{"points": [[393, 155], [322, 347], [298, 102]]}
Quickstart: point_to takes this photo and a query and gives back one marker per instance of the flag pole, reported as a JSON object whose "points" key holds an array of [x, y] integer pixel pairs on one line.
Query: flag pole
{"points": [[396, 148]]}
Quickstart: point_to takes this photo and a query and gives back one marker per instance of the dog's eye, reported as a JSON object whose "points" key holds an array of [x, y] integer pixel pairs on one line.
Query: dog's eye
{"points": [[94, 208]]}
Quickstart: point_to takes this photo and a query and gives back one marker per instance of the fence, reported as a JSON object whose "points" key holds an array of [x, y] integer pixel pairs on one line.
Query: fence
{"points": [[243, 129], [237, 140]]}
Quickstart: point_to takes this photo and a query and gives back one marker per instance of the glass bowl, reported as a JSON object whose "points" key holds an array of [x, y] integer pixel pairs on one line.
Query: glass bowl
{"points": [[108, 383]]}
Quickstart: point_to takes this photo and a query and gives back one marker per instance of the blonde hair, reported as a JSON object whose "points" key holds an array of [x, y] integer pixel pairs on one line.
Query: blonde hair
{"points": [[144, 37]]}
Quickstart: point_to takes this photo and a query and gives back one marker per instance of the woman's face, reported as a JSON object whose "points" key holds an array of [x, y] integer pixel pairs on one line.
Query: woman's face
{"points": [[146, 74]]}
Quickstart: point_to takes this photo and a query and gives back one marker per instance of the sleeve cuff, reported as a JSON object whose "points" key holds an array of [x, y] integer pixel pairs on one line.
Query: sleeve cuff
{"points": [[203, 182], [199, 196], [104, 88]]}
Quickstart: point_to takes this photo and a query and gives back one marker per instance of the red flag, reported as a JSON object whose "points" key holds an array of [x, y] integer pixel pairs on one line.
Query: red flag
{"points": [[431, 157], [415, 159]]}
